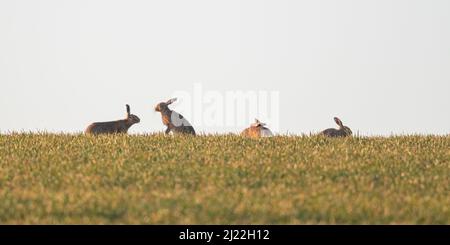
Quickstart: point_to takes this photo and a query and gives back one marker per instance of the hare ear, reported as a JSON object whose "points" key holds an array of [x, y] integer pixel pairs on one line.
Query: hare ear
{"points": [[171, 101], [256, 123], [260, 123], [128, 110], [338, 122]]}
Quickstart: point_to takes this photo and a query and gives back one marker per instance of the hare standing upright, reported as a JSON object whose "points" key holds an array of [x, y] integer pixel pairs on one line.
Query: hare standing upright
{"points": [[257, 130], [174, 121], [343, 131], [112, 127]]}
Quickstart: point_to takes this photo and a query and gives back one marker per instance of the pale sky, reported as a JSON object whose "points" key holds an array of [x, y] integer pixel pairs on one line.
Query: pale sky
{"points": [[382, 66]]}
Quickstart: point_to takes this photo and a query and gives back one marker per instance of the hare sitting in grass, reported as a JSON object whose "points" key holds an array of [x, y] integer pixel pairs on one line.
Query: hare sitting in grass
{"points": [[257, 130], [113, 127], [343, 131], [174, 121]]}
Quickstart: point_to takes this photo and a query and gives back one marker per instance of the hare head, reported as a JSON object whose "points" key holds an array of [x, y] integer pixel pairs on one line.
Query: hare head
{"points": [[264, 131], [257, 123], [256, 130], [163, 106], [131, 118], [346, 130]]}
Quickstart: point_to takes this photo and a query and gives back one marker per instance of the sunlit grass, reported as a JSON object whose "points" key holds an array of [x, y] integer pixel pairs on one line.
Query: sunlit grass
{"points": [[154, 179]]}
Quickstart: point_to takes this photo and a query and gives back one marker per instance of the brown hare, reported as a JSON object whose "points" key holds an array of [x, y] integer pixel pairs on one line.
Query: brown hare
{"points": [[257, 130], [343, 131], [174, 121], [113, 127]]}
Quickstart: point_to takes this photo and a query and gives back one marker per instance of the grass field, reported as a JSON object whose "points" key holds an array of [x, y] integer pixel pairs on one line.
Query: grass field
{"points": [[153, 179]]}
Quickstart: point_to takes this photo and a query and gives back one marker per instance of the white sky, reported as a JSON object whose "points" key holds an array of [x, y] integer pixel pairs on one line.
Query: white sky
{"points": [[382, 66]]}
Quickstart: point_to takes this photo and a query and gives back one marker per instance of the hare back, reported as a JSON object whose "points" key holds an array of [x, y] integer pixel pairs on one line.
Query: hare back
{"points": [[332, 132], [174, 119], [107, 127], [183, 130], [265, 132], [178, 120], [253, 132]]}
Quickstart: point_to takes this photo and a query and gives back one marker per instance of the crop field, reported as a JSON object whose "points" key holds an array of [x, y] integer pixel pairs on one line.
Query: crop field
{"points": [[223, 179]]}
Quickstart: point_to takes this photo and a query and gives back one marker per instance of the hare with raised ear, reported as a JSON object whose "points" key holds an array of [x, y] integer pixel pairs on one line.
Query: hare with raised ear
{"points": [[257, 130], [343, 131], [174, 121], [113, 127]]}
